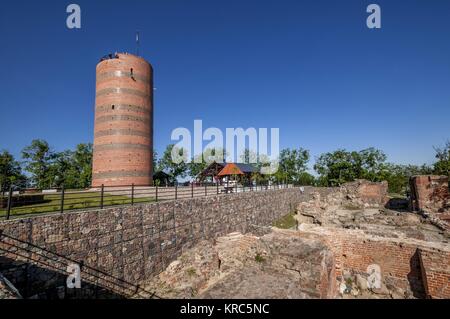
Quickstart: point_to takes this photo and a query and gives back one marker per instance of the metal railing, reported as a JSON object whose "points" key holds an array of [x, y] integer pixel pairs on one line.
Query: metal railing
{"points": [[21, 203]]}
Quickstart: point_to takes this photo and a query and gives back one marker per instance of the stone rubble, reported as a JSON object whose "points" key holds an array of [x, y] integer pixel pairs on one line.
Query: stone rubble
{"points": [[345, 209], [276, 265]]}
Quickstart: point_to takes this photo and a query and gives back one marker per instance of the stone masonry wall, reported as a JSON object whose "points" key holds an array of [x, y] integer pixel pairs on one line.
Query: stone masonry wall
{"points": [[124, 245]]}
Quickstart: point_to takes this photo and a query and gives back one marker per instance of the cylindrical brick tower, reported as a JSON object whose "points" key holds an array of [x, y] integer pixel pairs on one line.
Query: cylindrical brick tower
{"points": [[123, 132]]}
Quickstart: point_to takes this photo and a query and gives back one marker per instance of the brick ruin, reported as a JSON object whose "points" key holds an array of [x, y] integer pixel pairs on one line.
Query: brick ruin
{"points": [[223, 247], [276, 265], [430, 195], [412, 250]]}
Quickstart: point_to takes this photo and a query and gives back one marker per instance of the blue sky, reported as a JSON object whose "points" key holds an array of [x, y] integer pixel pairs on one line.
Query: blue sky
{"points": [[311, 68]]}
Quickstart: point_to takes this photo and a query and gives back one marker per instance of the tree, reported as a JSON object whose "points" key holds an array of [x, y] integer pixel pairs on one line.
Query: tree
{"points": [[38, 160], [197, 165], [442, 166], [174, 169], [342, 166], [71, 169], [335, 168], [201, 161], [259, 161], [155, 162], [10, 172], [249, 157], [372, 161], [82, 159], [306, 179], [59, 170], [77, 169], [292, 165], [398, 176]]}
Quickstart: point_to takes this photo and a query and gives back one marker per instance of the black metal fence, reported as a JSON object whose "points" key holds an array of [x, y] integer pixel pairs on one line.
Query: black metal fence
{"points": [[22, 202]]}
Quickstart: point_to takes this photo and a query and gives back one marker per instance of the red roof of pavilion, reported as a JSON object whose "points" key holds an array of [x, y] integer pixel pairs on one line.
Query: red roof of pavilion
{"points": [[230, 169]]}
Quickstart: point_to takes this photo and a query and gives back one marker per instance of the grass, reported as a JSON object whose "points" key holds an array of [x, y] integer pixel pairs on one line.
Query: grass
{"points": [[351, 207], [397, 196], [286, 222], [72, 201], [191, 271], [259, 258]]}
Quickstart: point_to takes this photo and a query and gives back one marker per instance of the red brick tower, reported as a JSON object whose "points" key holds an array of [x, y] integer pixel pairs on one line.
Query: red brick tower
{"points": [[123, 132]]}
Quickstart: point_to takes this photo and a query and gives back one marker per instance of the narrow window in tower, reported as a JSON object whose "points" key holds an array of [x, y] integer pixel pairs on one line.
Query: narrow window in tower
{"points": [[132, 75], [112, 107]]}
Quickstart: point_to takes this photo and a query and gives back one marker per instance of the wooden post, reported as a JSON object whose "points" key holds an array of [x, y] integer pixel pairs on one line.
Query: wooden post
{"points": [[8, 214], [62, 199]]}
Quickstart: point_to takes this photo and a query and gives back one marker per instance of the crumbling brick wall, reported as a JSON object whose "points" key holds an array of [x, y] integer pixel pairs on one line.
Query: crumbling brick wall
{"points": [[435, 267], [365, 193], [399, 262], [411, 265], [429, 193]]}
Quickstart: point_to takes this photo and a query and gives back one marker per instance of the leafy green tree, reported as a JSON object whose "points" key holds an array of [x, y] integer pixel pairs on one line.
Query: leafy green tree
{"points": [[82, 158], [292, 165], [196, 166], [201, 161], [38, 159], [398, 176], [59, 170], [74, 168], [155, 161], [336, 168], [171, 167], [442, 166], [306, 179], [249, 157], [371, 162], [259, 161], [10, 172], [342, 166]]}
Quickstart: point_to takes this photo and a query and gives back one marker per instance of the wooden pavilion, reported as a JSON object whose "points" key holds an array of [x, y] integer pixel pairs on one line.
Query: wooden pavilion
{"points": [[238, 172], [211, 172]]}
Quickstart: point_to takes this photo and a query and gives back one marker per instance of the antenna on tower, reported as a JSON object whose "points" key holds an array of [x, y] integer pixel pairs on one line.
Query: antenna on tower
{"points": [[137, 43]]}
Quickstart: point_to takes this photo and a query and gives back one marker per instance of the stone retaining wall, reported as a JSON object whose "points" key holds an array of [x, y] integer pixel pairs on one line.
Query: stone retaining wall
{"points": [[123, 246]]}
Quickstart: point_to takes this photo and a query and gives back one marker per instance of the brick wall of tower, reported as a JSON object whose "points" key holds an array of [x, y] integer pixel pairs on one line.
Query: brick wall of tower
{"points": [[123, 130]]}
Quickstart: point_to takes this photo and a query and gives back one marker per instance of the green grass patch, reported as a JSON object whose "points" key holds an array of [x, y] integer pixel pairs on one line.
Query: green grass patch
{"points": [[191, 271], [73, 201], [351, 207], [259, 258], [286, 222], [397, 196]]}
